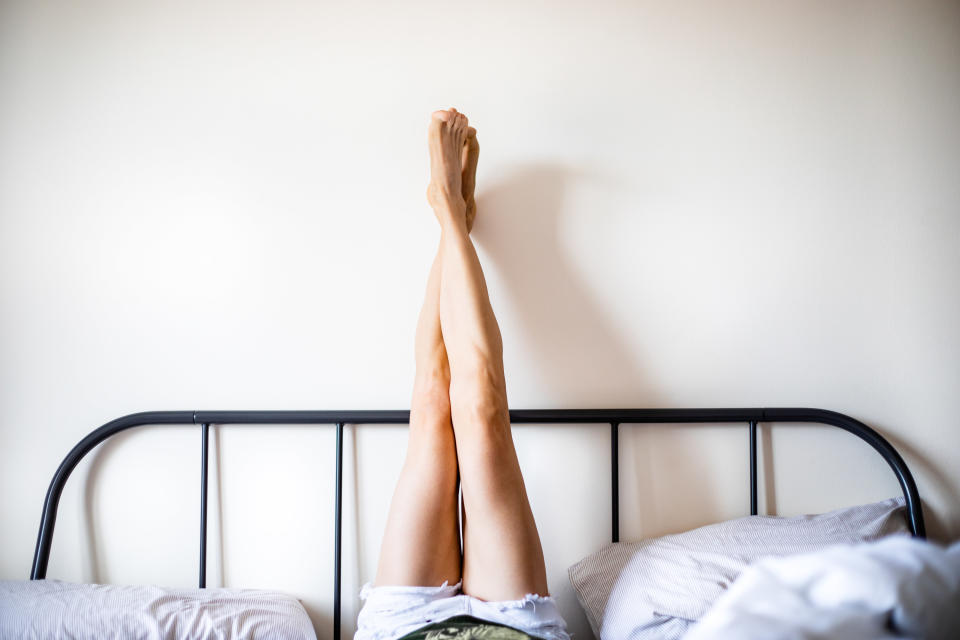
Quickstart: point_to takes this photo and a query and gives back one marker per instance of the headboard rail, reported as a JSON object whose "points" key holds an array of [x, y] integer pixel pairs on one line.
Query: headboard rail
{"points": [[612, 417]]}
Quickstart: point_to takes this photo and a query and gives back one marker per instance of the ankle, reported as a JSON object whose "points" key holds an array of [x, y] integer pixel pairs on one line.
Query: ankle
{"points": [[452, 217]]}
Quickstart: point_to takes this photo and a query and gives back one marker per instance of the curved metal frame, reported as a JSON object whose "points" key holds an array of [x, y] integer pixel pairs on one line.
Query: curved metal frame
{"points": [[612, 417]]}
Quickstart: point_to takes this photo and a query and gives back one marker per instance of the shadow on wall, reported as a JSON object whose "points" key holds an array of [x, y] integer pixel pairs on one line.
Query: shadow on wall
{"points": [[575, 350]]}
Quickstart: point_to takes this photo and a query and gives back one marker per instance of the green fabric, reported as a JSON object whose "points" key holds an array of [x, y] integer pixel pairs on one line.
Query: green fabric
{"points": [[466, 628]]}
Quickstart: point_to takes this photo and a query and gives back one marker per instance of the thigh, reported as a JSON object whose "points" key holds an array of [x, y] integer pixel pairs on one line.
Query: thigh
{"points": [[502, 554], [421, 541]]}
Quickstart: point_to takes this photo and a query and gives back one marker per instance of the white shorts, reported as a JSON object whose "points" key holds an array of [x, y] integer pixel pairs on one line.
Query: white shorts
{"points": [[392, 612]]}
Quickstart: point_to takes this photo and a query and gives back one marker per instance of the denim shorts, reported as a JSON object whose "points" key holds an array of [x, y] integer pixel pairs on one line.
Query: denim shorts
{"points": [[391, 612]]}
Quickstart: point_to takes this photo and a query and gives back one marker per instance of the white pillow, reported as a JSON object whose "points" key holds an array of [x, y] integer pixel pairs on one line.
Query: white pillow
{"points": [[53, 609], [657, 588]]}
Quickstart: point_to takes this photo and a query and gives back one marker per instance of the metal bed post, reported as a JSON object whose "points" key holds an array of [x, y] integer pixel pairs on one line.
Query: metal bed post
{"points": [[338, 522], [753, 467], [204, 455], [615, 478]]}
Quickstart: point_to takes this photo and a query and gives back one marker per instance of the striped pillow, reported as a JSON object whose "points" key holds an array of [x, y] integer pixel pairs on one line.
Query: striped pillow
{"points": [[657, 588]]}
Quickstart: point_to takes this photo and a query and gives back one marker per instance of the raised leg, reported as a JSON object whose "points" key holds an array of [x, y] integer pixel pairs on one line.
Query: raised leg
{"points": [[421, 543], [502, 555]]}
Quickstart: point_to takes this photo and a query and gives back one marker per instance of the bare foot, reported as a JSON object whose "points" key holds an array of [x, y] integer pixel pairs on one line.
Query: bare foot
{"points": [[468, 179], [445, 138]]}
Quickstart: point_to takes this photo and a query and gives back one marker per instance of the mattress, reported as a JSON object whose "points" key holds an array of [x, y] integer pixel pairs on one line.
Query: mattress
{"points": [[55, 609]]}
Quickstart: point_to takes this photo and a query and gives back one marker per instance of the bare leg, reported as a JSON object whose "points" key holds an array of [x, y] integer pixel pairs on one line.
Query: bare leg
{"points": [[502, 555], [421, 543]]}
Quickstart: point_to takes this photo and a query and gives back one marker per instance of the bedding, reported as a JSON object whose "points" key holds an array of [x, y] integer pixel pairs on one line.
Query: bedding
{"points": [[55, 609], [657, 588], [893, 588]]}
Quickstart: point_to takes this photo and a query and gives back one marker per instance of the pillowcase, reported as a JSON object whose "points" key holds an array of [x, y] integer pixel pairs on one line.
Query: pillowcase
{"points": [[657, 588], [54, 609]]}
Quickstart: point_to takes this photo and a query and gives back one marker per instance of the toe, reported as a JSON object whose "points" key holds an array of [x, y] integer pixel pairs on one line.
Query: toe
{"points": [[465, 157], [442, 115], [436, 126]]}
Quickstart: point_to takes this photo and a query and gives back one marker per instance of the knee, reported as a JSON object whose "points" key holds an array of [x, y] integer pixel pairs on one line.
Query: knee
{"points": [[431, 394], [479, 398]]}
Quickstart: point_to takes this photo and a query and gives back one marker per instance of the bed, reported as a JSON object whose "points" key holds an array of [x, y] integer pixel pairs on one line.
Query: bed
{"points": [[278, 608]]}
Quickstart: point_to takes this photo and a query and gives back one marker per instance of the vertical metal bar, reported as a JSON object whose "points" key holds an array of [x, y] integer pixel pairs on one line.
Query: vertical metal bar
{"points": [[204, 455], [615, 478], [753, 468], [338, 518]]}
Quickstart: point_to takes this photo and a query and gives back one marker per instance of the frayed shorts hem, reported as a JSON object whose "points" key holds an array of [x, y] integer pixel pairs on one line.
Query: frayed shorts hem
{"points": [[391, 612]]}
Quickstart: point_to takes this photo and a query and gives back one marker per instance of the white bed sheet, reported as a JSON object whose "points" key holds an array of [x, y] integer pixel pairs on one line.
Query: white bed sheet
{"points": [[55, 609]]}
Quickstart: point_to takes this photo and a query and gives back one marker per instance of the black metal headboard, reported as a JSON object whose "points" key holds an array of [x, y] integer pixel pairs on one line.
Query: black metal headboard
{"points": [[612, 417]]}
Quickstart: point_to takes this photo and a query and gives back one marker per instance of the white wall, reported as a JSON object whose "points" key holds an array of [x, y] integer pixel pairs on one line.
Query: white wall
{"points": [[221, 205]]}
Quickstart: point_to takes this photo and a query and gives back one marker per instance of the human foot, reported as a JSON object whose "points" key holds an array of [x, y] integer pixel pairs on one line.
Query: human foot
{"points": [[445, 139], [468, 178]]}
